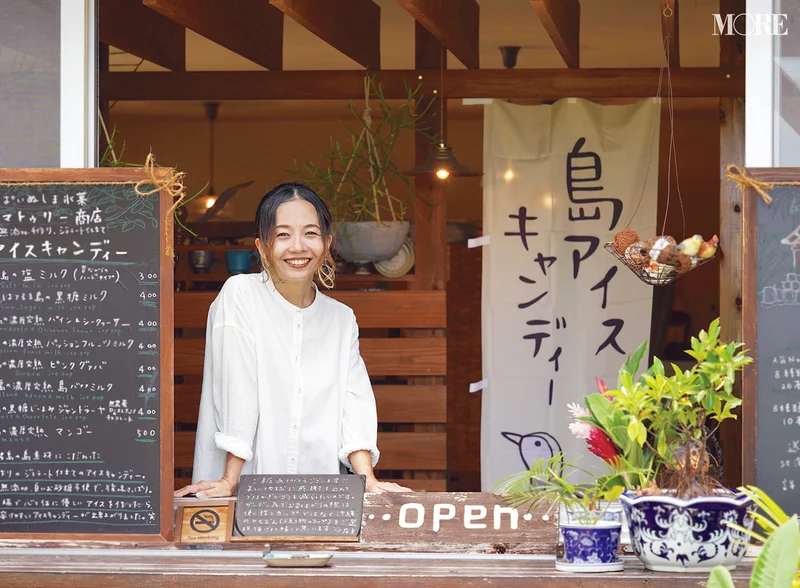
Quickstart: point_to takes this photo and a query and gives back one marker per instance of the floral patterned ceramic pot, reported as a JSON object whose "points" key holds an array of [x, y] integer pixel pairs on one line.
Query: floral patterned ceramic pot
{"points": [[590, 544], [670, 534]]}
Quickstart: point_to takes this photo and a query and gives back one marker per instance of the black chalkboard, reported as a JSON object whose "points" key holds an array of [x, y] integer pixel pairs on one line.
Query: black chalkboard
{"points": [[85, 351], [311, 507], [774, 243]]}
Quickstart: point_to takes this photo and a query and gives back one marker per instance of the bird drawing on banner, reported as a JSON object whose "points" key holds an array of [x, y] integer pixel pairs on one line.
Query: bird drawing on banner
{"points": [[534, 446], [690, 246]]}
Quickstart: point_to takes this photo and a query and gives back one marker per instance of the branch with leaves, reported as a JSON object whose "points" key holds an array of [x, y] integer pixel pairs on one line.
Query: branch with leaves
{"points": [[354, 177]]}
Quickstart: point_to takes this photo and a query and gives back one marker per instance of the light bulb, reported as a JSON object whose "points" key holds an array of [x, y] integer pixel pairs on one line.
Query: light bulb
{"points": [[210, 201], [547, 201], [442, 174], [509, 175]]}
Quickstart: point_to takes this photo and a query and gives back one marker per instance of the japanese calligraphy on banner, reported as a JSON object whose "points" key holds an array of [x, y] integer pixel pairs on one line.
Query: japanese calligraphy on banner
{"points": [[558, 310]]}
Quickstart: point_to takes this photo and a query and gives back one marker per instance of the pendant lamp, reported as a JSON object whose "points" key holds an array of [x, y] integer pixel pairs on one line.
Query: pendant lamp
{"points": [[442, 161]]}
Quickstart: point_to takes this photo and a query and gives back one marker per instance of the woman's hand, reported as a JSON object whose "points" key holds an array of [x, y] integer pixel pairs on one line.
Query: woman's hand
{"points": [[208, 489], [378, 487]]}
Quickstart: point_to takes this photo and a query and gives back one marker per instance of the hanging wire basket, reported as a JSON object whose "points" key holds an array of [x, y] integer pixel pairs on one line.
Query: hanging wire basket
{"points": [[655, 266]]}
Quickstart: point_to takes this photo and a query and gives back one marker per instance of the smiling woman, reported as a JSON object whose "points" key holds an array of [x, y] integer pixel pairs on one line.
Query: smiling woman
{"points": [[285, 390]]}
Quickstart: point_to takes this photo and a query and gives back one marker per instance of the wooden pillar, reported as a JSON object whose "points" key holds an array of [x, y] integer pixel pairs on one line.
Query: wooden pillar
{"points": [[430, 231], [430, 239], [731, 150]]}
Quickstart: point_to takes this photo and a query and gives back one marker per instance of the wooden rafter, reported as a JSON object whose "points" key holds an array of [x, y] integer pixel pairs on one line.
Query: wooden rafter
{"points": [[454, 23], [131, 26], [669, 32], [350, 26], [251, 28], [543, 84], [562, 21]]}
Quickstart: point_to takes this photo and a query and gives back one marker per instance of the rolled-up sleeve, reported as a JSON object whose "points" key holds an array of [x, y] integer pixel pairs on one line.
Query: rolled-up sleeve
{"points": [[360, 415]]}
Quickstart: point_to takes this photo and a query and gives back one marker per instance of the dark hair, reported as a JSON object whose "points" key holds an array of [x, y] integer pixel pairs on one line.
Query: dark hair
{"points": [[267, 214]]}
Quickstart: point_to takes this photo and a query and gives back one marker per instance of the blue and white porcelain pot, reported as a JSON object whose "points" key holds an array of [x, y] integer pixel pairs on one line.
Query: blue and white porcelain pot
{"points": [[670, 534], [590, 544]]}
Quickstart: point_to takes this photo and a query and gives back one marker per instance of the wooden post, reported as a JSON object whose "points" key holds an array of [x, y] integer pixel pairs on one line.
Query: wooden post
{"points": [[430, 223], [731, 150], [430, 238]]}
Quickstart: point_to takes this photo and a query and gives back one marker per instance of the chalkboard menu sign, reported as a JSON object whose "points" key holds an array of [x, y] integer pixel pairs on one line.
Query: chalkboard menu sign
{"points": [[772, 334], [303, 507], [85, 356]]}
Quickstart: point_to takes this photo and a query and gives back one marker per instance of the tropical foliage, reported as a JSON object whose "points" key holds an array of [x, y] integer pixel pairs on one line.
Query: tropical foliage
{"points": [[657, 423]]}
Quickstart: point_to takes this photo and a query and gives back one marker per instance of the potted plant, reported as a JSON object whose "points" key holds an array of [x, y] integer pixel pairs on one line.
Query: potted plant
{"points": [[592, 526], [361, 184], [677, 513]]}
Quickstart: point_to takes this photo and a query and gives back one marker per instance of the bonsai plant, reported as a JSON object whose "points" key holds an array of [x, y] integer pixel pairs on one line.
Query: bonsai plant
{"points": [[360, 182], [658, 423]]}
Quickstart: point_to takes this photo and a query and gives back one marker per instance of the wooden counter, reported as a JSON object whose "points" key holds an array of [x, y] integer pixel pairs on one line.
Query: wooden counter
{"points": [[123, 568]]}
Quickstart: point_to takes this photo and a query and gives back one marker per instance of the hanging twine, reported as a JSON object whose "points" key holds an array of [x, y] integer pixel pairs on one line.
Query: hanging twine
{"points": [[745, 181], [171, 182]]}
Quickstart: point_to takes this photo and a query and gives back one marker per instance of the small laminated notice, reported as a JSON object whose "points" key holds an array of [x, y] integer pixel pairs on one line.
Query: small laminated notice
{"points": [[295, 505]]}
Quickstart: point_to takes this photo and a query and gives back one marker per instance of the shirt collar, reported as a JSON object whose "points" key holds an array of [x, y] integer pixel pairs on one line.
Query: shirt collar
{"points": [[285, 303]]}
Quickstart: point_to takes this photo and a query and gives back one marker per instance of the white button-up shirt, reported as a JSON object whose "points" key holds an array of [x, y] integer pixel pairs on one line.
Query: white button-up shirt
{"points": [[284, 388]]}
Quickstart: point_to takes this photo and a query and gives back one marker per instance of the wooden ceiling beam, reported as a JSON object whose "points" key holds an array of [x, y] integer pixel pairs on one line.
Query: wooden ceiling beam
{"points": [[454, 23], [131, 26], [562, 21], [542, 84], [669, 32], [352, 27], [251, 28]]}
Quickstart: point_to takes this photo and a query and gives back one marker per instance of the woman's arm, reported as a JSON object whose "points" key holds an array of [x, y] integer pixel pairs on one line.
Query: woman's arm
{"points": [[228, 416], [359, 450], [362, 464], [217, 488]]}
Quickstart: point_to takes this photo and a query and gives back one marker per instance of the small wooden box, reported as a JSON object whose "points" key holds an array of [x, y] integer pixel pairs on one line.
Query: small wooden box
{"points": [[205, 521]]}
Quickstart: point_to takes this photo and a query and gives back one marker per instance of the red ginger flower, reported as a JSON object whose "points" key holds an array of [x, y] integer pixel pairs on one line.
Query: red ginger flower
{"points": [[602, 446]]}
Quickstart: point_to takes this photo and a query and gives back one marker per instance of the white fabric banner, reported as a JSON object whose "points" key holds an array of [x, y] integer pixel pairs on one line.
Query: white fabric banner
{"points": [[558, 309]]}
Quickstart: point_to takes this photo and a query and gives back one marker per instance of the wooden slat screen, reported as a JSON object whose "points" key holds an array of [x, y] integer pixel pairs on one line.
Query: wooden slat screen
{"points": [[383, 357], [396, 404], [399, 451], [402, 309], [390, 360]]}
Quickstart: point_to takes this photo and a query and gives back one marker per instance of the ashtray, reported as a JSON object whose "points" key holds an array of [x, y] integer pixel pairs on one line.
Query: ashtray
{"points": [[288, 559]]}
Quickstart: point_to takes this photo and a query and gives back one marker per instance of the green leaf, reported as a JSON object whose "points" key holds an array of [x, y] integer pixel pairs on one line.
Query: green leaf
{"points": [[777, 564], [631, 366], [720, 577], [633, 430], [709, 401], [641, 436]]}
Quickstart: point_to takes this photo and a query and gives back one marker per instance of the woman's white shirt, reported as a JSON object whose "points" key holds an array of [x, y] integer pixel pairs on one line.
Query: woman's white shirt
{"points": [[284, 388]]}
